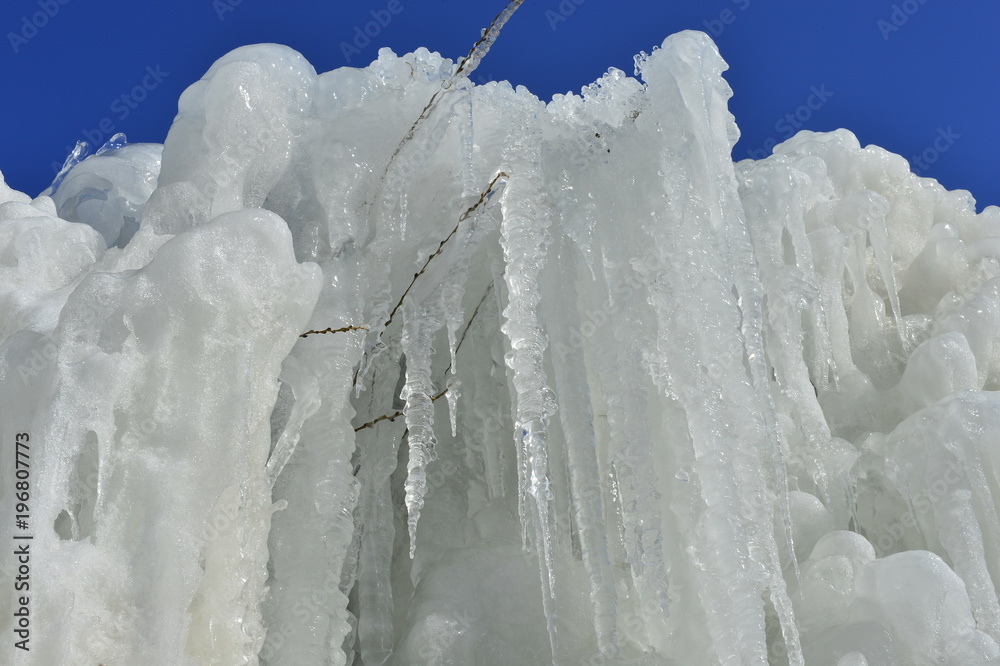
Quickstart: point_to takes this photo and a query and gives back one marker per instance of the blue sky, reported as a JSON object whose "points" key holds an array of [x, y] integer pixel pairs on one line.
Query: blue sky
{"points": [[918, 77]]}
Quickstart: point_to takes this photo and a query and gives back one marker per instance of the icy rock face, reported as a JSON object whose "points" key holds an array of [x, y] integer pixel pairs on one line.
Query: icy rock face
{"points": [[517, 383]]}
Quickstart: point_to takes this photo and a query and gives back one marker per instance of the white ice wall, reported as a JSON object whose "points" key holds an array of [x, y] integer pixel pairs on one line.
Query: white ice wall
{"points": [[638, 405]]}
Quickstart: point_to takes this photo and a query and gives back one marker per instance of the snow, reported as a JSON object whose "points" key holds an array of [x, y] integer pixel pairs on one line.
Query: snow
{"points": [[576, 388]]}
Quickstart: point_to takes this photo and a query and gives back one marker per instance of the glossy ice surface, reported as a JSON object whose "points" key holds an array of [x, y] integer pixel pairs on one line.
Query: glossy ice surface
{"points": [[645, 405]]}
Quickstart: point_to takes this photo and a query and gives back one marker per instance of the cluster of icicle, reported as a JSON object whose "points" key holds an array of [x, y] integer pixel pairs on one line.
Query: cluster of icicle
{"points": [[590, 393]]}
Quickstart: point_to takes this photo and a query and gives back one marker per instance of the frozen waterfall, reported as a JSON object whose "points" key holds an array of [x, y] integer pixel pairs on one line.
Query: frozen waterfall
{"points": [[517, 383]]}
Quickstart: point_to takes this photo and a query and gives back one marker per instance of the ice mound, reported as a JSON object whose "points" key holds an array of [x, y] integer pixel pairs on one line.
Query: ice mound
{"points": [[107, 190], [378, 366]]}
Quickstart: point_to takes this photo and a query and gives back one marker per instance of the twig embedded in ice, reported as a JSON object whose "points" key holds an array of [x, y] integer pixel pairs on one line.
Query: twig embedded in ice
{"points": [[483, 197], [469, 64], [468, 324], [395, 415], [344, 329]]}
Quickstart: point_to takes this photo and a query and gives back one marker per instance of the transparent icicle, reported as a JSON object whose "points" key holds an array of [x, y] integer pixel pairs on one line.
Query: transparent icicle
{"points": [[467, 143], [418, 392], [307, 402], [750, 298], [404, 212], [524, 238], [375, 598], [577, 421], [452, 396], [486, 389], [376, 460], [618, 359], [473, 229], [451, 302], [524, 515]]}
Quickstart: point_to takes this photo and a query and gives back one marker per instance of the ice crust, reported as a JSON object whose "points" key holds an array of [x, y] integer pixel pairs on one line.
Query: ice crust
{"points": [[639, 405]]}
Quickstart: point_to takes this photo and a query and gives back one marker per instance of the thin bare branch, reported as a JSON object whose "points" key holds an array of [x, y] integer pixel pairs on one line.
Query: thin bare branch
{"points": [[468, 324], [490, 35], [469, 64], [345, 329], [465, 331], [394, 415], [483, 197]]}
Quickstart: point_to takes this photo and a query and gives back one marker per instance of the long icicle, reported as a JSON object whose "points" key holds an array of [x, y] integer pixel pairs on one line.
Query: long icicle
{"points": [[524, 237]]}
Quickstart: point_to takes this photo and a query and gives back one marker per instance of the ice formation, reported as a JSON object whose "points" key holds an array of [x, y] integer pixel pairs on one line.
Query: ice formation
{"points": [[589, 393]]}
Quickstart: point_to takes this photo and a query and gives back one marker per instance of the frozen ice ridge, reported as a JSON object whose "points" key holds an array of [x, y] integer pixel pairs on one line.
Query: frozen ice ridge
{"points": [[317, 382]]}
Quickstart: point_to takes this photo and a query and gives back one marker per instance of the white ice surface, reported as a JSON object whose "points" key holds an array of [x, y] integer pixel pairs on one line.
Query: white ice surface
{"points": [[709, 413]]}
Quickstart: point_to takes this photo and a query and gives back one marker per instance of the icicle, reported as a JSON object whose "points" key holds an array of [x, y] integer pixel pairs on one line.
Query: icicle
{"points": [[307, 402], [474, 225], [577, 219], [524, 238], [467, 144], [944, 478], [75, 156], [451, 303], [375, 627], [619, 361], [776, 222], [318, 524], [404, 212], [723, 404], [878, 238], [418, 331], [486, 391], [377, 458], [452, 396], [577, 423], [750, 298], [859, 215]]}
